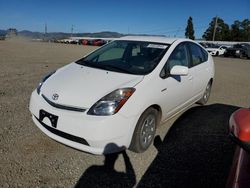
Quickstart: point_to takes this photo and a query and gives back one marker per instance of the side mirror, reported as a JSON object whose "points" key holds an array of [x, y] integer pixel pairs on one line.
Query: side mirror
{"points": [[179, 70], [239, 126]]}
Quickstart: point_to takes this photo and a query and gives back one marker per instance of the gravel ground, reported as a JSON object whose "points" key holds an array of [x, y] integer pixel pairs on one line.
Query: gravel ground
{"points": [[28, 158]]}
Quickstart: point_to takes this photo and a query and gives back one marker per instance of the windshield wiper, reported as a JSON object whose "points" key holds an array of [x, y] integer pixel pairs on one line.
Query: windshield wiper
{"points": [[103, 66], [113, 68], [83, 62]]}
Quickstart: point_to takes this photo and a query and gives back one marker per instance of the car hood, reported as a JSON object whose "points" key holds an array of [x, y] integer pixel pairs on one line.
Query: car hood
{"points": [[81, 86]]}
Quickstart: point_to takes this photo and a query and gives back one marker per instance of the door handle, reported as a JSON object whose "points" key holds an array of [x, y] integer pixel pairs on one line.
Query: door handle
{"points": [[190, 77]]}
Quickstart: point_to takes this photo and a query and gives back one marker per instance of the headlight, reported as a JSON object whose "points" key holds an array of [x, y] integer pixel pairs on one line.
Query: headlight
{"points": [[111, 103], [237, 51], [38, 89]]}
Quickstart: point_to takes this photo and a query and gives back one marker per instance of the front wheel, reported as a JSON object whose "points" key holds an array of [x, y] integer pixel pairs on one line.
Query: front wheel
{"points": [[206, 94], [144, 131]]}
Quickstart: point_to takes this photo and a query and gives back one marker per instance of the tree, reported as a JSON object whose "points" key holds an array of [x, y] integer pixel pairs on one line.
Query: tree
{"points": [[245, 25], [236, 34], [190, 29], [222, 30], [240, 31]]}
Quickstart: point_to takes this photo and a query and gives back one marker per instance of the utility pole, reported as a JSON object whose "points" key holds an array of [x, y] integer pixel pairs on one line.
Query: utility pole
{"points": [[215, 27], [45, 29], [72, 29]]}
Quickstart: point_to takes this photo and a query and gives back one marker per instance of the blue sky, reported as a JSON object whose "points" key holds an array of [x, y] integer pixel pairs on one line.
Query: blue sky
{"points": [[141, 17]]}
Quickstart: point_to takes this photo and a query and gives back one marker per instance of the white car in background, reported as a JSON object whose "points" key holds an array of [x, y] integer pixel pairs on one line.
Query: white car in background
{"points": [[216, 50], [115, 97]]}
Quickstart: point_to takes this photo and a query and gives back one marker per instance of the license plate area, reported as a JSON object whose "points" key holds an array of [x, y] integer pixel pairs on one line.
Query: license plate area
{"points": [[53, 118]]}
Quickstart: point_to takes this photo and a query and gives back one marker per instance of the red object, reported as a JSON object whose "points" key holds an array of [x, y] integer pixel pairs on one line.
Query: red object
{"points": [[240, 125], [98, 42], [85, 42], [240, 172]]}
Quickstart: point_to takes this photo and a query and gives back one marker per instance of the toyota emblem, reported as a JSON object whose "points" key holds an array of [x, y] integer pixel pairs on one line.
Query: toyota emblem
{"points": [[55, 96]]}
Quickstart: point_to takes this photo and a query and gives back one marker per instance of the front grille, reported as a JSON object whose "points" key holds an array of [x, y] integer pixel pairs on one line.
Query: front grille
{"points": [[63, 106], [63, 134]]}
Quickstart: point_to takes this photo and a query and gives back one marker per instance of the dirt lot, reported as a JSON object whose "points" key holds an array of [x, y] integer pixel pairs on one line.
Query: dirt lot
{"points": [[28, 158]]}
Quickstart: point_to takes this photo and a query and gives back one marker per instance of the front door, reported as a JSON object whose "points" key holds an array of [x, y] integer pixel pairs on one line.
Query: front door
{"points": [[176, 92]]}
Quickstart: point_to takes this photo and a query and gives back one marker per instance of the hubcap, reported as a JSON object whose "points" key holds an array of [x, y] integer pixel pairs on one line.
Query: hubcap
{"points": [[147, 131]]}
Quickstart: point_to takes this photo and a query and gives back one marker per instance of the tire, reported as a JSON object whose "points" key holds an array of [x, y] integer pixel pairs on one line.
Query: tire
{"points": [[144, 132], [217, 53], [206, 94], [241, 55]]}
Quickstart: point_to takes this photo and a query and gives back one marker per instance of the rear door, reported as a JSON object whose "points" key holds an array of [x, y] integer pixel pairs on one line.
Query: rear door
{"points": [[199, 68]]}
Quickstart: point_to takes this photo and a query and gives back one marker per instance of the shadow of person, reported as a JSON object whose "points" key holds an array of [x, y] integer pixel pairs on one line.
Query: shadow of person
{"points": [[196, 151], [106, 176]]}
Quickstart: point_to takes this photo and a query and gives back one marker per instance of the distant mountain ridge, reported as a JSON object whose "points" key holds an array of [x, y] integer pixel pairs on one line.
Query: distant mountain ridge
{"points": [[62, 35]]}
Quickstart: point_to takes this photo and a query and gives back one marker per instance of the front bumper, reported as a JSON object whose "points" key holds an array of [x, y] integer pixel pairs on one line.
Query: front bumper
{"points": [[92, 134]]}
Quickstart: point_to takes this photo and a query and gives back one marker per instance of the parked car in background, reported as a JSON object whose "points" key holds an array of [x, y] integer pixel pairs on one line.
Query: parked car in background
{"points": [[85, 42], [216, 50], [241, 50], [239, 128], [74, 42], [121, 92], [99, 42]]}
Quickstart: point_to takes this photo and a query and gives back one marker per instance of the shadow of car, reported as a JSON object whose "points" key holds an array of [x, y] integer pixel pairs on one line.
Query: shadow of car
{"points": [[196, 152]]}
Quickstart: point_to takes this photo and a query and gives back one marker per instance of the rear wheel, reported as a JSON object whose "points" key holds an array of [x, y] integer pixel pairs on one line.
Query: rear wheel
{"points": [[241, 55], [145, 131], [206, 94]]}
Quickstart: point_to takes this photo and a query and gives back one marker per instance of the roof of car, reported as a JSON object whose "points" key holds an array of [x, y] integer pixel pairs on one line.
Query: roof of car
{"points": [[151, 39]]}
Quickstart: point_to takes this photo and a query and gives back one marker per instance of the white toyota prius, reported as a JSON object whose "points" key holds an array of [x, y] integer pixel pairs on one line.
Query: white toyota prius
{"points": [[115, 97]]}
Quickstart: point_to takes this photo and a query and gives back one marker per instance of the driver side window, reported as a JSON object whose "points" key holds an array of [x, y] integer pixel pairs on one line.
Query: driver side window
{"points": [[178, 57]]}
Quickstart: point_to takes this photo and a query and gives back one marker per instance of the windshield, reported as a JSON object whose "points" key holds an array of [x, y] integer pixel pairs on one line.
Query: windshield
{"points": [[132, 57]]}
